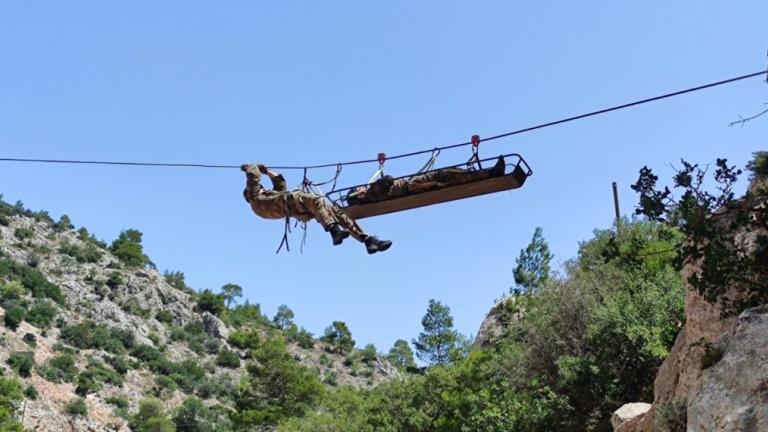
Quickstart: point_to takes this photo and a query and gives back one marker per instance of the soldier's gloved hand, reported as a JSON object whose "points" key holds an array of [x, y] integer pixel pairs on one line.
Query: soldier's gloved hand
{"points": [[262, 168]]}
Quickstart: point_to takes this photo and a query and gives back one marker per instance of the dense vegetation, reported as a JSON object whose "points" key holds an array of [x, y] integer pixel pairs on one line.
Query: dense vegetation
{"points": [[573, 348], [715, 224]]}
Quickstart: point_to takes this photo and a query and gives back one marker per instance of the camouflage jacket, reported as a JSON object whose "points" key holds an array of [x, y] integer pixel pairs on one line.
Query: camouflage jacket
{"points": [[267, 203]]}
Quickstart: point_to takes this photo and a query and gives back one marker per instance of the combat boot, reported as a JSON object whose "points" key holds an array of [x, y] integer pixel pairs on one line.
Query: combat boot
{"points": [[337, 234], [373, 245], [499, 168]]}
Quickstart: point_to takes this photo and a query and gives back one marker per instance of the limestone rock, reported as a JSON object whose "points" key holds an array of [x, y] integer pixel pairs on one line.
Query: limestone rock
{"points": [[734, 392], [629, 415], [492, 327]]}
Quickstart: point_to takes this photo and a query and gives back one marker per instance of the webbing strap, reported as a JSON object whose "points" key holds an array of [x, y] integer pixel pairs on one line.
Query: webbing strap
{"points": [[430, 163], [287, 231]]}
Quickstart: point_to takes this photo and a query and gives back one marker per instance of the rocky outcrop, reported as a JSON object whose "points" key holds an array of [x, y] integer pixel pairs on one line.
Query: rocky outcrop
{"points": [[733, 396], [492, 326]]}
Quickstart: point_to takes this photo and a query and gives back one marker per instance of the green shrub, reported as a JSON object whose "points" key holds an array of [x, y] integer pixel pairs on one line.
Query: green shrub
{"points": [[304, 339], [119, 363], [151, 417], [244, 339], [208, 301], [228, 359], [194, 416], [30, 339], [64, 224], [164, 316], [100, 372], [188, 374], [87, 383], [368, 355], [155, 338], [210, 388], [64, 349], [14, 315], [77, 407], [59, 369], [128, 249], [12, 291], [21, 363], [114, 280], [10, 398], [759, 164], [31, 279], [330, 378], [176, 280], [117, 401], [87, 237], [31, 392], [133, 307], [247, 314], [325, 360], [87, 334], [41, 314], [165, 383], [88, 254], [146, 353], [23, 233]]}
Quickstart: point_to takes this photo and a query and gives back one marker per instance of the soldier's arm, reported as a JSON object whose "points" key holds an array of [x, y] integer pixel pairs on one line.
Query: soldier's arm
{"points": [[278, 181]]}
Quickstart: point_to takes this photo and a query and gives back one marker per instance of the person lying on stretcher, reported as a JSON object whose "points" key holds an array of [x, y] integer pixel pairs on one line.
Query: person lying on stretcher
{"points": [[388, 187]]}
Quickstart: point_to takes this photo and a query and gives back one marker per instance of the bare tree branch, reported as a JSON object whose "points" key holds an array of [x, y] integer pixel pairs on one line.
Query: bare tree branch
{"points": [[742, 120]]}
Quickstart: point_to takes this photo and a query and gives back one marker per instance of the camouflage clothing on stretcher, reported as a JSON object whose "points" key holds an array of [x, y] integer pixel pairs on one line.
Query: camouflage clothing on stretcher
{"points": [[388, 187], [279, 203]]}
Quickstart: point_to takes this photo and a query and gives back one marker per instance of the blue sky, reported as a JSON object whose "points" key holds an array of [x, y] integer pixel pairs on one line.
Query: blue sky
{"points": [[296, 83]]}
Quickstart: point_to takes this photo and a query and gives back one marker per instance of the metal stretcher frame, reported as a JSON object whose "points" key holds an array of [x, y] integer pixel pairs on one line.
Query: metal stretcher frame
{"points": [[513, 179]]}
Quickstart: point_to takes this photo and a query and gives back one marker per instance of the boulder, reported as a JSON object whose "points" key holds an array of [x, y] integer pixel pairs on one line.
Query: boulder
{"points": [[629, 415]]}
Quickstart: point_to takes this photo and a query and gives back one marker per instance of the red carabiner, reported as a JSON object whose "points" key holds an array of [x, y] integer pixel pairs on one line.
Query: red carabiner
{"points": [[475, 141], [382, 158]]}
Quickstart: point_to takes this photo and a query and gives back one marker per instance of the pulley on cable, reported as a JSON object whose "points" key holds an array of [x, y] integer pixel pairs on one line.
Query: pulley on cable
{"points": [[386, 194]]}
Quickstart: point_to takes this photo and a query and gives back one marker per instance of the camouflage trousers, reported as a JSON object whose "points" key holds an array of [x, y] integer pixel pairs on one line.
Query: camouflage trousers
{"points": [[305, 206]]}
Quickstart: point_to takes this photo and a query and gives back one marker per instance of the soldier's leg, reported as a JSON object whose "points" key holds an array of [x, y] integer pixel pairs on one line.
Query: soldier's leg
{"points": [[331, 216], [328, 215]]}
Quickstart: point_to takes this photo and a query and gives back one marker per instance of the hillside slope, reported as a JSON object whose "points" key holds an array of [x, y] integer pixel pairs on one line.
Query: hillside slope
{"points": [[96, 327]]}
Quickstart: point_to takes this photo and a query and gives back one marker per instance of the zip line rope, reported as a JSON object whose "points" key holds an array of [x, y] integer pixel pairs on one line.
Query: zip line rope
{"points": [[415, 153]]}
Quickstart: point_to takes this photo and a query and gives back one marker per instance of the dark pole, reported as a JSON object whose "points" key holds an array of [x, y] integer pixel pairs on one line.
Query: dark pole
{"points": [[616, 207]]}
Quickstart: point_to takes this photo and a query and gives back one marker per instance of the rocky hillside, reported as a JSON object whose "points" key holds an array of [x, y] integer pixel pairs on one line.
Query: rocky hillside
{"points": [[81, 322]]}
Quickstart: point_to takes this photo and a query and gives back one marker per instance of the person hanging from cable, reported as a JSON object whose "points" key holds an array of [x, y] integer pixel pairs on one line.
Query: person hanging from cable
{"points": [[279, 203]]}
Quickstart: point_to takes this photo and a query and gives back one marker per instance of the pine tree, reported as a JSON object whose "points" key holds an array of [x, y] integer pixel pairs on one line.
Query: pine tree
{"points": [[401, 355], [230, 292], [284, 317], [276, 387], [532, 270], [438, 339], [339, 337]]}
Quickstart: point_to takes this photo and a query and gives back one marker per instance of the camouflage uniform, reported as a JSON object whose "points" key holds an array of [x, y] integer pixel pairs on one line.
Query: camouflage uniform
{"points": [[279, 203], [387, 187]]}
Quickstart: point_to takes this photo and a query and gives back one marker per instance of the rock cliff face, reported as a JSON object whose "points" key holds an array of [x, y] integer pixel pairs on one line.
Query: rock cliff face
{"points": [[714, 375], [111, 295], [492, 327], [733, 395]]}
